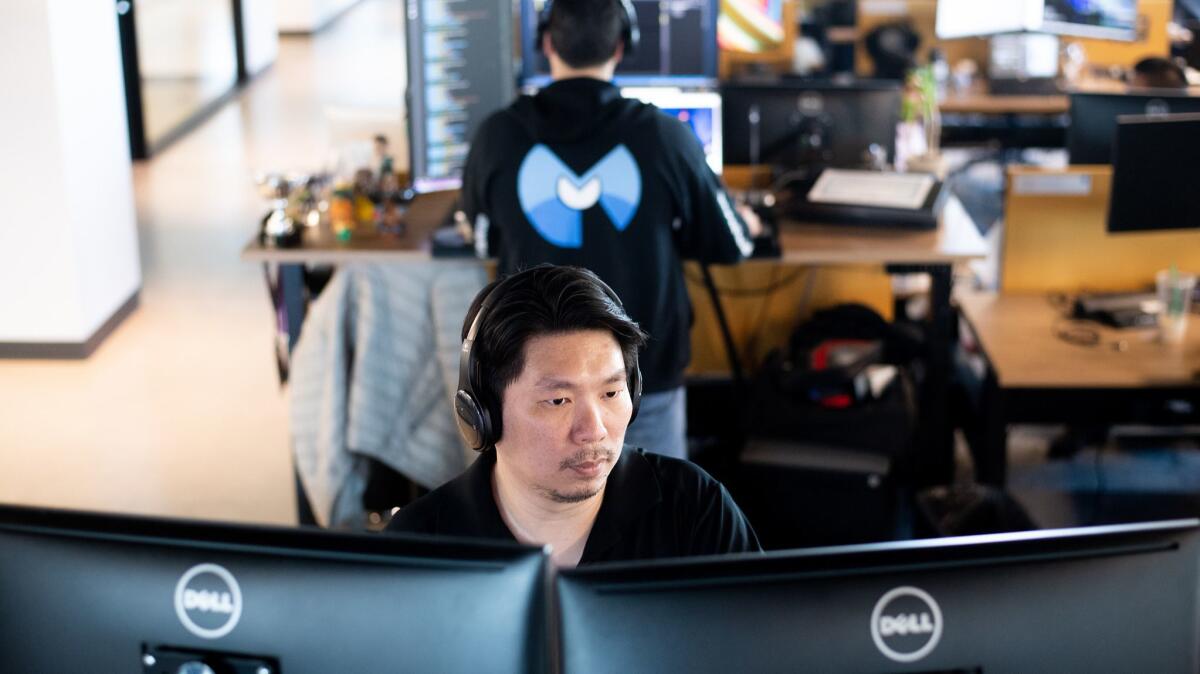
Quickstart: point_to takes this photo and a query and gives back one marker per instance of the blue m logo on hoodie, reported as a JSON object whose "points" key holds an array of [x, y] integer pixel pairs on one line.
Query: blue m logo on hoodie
{"points": [[554, 197]]}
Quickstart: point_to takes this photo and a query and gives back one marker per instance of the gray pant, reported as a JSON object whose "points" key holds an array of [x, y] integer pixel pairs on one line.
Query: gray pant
{"points": [[661, 424]]}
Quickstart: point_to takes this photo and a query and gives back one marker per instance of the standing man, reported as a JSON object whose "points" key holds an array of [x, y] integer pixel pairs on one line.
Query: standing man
{"points": [[579, 175]]}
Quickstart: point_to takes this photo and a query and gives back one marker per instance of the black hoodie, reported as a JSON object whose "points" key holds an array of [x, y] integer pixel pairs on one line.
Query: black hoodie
{"points": [[579, 175]]}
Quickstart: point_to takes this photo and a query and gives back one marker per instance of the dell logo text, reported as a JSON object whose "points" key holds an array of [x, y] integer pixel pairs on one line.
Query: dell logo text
{"points": [[208, 601], [906, 624]]}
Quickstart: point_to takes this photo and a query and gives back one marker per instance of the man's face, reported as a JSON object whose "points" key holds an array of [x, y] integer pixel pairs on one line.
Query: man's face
{"points": [[565, 415]]}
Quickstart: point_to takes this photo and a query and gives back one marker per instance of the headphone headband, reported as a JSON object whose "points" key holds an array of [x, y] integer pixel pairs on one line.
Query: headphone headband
{"points": [[630, 34]]}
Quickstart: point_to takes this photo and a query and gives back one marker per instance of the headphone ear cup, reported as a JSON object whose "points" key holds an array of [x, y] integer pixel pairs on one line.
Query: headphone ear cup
{"points": [[474, 424], [631, 35], [543, 25]]}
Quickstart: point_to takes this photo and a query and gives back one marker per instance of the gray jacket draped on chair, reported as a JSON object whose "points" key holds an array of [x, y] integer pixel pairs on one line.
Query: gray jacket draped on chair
{"points": [[373, 374]]}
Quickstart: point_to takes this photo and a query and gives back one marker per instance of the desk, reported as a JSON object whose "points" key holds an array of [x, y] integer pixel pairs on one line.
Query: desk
{"points": [[1031, 375], [983, 103], [1017, 122], [934, 252]]}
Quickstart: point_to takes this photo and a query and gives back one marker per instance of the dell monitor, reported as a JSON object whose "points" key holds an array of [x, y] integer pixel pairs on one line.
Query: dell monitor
{"points": [[94, 593], [677, 45], [1104, 599], [1156, 175], [699, 110], [807, 123], [1093, 124], [460, 70]]}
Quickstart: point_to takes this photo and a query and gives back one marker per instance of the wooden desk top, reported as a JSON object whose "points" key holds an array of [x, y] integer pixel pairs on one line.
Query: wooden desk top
{"points": [[320, 246], [1017, 332], [984, 103], [980, 101], [955, 240]]}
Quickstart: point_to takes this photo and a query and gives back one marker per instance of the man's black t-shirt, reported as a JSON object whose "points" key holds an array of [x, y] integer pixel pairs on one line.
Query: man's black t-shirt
{"points": [[654, 507], [579, 175]]}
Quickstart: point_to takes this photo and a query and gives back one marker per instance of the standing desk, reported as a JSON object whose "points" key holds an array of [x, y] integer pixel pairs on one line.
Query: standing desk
{"points": [[1031, 375], [935, 252]]}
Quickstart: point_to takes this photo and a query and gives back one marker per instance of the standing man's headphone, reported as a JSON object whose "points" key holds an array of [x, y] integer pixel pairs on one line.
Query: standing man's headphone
{"points": [[629, 26], [479, 420]]}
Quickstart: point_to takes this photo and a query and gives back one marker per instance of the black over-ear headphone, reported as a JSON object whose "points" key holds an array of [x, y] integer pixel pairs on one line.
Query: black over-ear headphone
{"points": [[478, 419], [629, 28]]}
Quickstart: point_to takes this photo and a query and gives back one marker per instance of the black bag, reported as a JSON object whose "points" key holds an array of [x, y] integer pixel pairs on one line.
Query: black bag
{"points": [[791, 398]]}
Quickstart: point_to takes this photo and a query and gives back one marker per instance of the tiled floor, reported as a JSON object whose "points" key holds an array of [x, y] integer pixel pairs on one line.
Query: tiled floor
{"points": [[180, 412]]}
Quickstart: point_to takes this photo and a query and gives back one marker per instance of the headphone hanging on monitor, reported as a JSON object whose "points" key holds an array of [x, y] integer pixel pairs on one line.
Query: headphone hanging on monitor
{"points": [[629, 26], [473, 413]]}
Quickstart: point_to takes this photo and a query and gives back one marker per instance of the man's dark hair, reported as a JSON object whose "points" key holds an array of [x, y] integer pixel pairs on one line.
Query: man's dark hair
{"points": [[585, 33], [543, 300], [1160, 73]]}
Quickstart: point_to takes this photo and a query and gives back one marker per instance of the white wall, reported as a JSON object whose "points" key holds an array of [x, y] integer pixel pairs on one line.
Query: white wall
{"points": [[306, 16], [262, 34], [68, 237]]}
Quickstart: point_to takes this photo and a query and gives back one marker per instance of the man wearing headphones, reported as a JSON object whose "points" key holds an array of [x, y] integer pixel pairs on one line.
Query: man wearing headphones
{"points": [[548, 383], [579, 175]]}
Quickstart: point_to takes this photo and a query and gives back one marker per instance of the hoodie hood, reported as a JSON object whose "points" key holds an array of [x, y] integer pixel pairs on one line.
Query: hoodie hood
{"points": [[570, 110]]}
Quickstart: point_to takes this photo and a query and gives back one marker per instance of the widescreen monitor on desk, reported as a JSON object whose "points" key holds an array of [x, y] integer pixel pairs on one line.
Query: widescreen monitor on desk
{"points": [[1093, 125], [1156, 174], [1105, 599], [699, 110], [460, 70], [793, 123], [93, 593]]}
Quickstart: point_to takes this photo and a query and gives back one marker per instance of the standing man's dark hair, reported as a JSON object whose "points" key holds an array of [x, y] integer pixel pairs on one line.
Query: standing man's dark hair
{"points": [[586, 33], [507, 313]]}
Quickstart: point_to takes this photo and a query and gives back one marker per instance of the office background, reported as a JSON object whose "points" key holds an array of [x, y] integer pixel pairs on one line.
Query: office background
{"points": [[179, 410]]}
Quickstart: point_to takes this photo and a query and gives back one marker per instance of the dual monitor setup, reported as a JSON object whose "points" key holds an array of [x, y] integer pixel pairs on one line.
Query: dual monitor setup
{"points": [[466, 60], [465, 63], [104, 593]]}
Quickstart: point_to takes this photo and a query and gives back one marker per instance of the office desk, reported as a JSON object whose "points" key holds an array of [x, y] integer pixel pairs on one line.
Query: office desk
{"points": [[1016, 122], [934, 252], [984, 103], [956, 240], [1031, 375]]}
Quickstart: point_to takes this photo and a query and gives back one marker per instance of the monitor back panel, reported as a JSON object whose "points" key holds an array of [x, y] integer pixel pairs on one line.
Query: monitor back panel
{"points": [[1116, 612], [1093, 126]]}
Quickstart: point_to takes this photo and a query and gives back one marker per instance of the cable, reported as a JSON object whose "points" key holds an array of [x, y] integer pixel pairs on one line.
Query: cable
{"points": [[1079, 335], [735, 364]]}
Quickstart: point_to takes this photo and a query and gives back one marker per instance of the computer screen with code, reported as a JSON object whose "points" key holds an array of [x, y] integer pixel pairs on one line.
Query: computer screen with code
{"points": [[460, 70]]}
